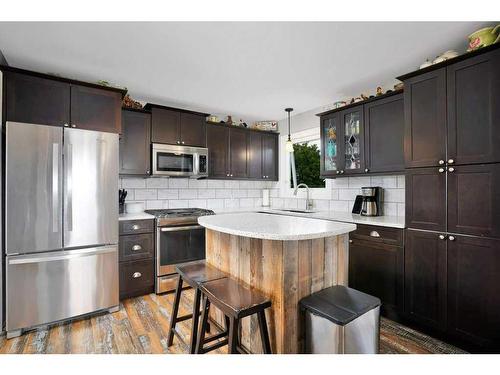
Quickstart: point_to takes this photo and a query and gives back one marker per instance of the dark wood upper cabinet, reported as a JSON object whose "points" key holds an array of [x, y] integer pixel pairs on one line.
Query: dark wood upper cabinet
{"points": [[473, 298], [255, 155], [384, 135], [270, 156], [425, 278], [365, 137], [474, 199], [378, 269], [36, 100], [426, 198], [474, 109], [238, 153], [193, 130], [352, 138], [135, 146], [177, 126], [165, 126], [425, 119], [331, 162], [95, 109], [218, 151]]}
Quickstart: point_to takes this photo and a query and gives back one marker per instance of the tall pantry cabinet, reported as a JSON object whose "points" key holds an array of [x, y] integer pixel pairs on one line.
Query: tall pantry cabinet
{"points": [[452, 156]]}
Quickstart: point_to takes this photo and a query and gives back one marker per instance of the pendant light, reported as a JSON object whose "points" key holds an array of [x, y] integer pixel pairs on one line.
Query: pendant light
{"points": [[289, 144]]}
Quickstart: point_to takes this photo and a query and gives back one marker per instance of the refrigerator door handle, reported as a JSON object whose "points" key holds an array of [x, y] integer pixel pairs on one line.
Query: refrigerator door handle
{"points": [[69, 187], [55, 187], [61, 255]]}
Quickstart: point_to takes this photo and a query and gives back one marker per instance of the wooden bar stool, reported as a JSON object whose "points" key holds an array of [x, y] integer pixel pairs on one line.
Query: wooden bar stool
{"points": [[236, 301], [194, 274]]}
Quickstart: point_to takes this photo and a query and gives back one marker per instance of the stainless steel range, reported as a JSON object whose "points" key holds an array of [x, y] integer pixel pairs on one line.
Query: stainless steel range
{"points": [[179, 239]]}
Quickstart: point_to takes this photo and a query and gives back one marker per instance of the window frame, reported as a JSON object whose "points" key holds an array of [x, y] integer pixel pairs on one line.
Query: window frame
{"points": [[286, 174]]}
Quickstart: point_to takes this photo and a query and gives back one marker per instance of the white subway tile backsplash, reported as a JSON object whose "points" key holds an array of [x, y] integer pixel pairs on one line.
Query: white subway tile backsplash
{"points": [[231, 203], [179, 203], [152, 205], [219, 194], [197, 203], [206, 193], [145, 194], [230, 184], [188, 193], [348, 194], [257, 193], [215, 203], [132, 183], [218, 184], [240, 193], [223, 193], [197, 184], [157, 183], [342, 206], [178, 183], [357, 182], [168, 194]]}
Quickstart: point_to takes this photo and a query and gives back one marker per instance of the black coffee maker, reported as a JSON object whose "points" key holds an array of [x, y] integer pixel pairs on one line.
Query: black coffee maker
{"points": [[371, 201]]}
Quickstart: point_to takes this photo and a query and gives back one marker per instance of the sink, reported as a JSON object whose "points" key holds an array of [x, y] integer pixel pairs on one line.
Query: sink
{"points": [[299, 211]]}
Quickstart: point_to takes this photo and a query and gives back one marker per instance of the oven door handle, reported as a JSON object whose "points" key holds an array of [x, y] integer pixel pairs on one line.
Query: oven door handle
{"points": [[175, 229]]}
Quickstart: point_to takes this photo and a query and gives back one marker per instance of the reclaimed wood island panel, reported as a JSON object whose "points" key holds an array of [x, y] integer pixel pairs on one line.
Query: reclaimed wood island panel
{"points": [[286, 261]]}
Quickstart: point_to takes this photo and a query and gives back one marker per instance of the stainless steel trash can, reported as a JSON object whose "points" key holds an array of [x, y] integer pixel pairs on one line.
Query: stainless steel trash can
{"points": [[341, 320]]}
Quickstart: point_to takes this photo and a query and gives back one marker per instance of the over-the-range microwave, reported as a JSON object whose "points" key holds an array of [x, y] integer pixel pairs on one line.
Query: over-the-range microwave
{"points": [[179, 161]]}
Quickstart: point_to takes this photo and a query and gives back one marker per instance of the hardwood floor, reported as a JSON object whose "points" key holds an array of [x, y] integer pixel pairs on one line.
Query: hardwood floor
{"points": [[141, 326]]}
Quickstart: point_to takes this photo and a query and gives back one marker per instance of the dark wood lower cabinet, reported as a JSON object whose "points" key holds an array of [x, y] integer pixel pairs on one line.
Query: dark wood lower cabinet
{"points": [[473, 291], [136, 254], [377, 269], [425, 279]]}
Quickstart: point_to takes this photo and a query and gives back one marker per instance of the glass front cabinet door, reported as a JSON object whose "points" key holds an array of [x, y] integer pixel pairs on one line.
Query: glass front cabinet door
{"points": [[352, 140], [331, 145]]}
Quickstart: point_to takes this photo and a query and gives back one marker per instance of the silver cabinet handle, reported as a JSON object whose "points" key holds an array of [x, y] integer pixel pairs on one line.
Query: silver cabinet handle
{"points": [[451, 161], [337, 172], [451, 238], [374, 233], [136, 247], [66, 125], [441, 170], [442, 237], [342, 171], [135, 227], [178, 142], [73, 125], [136, 275], [350, 241], [451, 169], [55, 187], [366, 170], [227, 175], [174, 229], [231, 175], [441, 162], [182, 142]]}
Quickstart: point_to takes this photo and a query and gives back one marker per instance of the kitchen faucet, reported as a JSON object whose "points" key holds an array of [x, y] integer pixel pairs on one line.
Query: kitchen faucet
{"points": [[308, 201]]}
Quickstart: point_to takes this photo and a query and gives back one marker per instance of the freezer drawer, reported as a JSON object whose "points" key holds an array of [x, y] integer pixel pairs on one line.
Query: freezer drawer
{"points": [[48, 287]]}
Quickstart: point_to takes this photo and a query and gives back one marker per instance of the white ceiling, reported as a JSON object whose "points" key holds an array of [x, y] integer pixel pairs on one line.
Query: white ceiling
{"points": [[251, 70]]}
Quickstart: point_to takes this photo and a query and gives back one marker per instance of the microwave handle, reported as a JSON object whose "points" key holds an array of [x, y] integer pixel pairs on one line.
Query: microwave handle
{"points": [[196, 166]]}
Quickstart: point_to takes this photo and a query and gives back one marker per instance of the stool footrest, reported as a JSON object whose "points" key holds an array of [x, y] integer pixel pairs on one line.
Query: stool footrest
{"points": [[215, 346], [215, 337]]}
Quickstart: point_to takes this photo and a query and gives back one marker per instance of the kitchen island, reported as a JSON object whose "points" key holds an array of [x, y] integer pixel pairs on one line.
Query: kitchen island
{"points": [[286, 258]]}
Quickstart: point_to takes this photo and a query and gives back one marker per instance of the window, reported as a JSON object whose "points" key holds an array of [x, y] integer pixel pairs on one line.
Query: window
{"points": [[307, 163]]}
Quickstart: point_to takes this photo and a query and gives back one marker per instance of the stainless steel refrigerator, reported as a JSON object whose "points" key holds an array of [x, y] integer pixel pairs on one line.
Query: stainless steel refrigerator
{"points": [[61, 224]]}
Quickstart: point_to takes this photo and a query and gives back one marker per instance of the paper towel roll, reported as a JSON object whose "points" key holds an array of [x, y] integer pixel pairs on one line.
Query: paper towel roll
{"points": [[265, 197]]}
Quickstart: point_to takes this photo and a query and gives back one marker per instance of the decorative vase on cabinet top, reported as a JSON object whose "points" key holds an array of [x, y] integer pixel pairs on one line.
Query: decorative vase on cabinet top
{"points": [[484, 37]]}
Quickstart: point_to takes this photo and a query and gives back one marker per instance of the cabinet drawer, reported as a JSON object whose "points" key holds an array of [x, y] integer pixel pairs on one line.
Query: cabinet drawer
{"points": [[392, 236], [136, 246], [136, 226], [136, 276]]}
